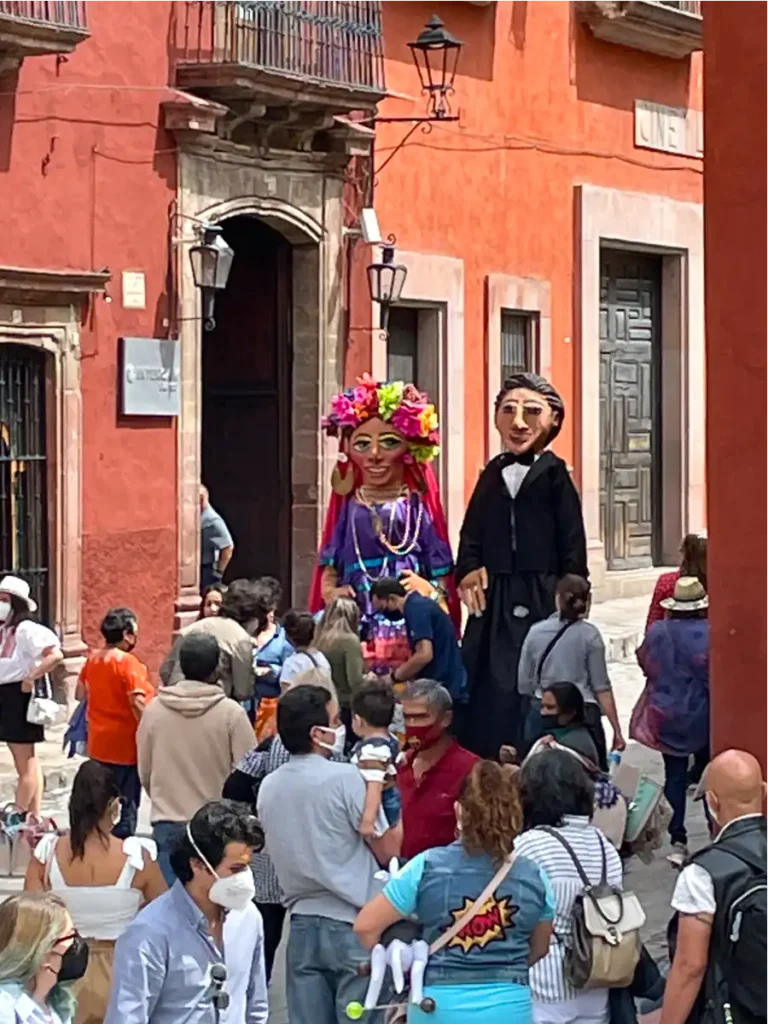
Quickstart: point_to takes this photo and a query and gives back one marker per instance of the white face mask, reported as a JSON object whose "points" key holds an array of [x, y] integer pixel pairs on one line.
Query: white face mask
{"points": [[5, 610], [339, 739], [233, 892], [117, 813]]}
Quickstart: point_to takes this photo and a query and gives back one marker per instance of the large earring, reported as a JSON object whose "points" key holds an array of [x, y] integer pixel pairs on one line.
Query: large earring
{"points": [[343, 478], [343, 475]]}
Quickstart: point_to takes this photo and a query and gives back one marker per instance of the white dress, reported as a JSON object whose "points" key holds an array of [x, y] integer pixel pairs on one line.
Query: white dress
{"points": [[99, 911]]}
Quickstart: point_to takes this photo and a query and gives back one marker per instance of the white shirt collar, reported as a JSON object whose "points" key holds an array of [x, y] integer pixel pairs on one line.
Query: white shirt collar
{"points": [[742, 817]]}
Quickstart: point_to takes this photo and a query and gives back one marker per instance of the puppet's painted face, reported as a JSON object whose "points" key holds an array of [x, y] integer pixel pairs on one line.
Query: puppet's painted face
{"points": [[378, 452], [524, 421]]}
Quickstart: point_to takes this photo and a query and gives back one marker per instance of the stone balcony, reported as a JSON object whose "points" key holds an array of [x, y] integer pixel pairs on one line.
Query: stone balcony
{"points": [[310, 53], [665, 27], [33, 28]]}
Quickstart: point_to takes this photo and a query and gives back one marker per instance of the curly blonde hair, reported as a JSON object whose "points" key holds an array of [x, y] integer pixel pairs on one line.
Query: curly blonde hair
{"points": [[491, 811]]}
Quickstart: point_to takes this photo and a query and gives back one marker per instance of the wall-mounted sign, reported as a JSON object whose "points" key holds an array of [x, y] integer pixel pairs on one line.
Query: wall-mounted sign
{"points": [[669, 129], [134, 290], [151, 379]]}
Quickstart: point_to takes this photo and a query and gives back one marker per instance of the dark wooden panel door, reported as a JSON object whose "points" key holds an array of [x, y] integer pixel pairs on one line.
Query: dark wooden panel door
{"points": [[246, 459], [630, 290]]}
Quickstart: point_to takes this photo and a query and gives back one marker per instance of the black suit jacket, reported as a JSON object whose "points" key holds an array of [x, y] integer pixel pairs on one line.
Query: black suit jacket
{"points": [[540, 531]]}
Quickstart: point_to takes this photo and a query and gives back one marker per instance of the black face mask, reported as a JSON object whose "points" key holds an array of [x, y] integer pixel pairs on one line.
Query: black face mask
{"points": [[392, 616], [74, 962], [549, 717]]}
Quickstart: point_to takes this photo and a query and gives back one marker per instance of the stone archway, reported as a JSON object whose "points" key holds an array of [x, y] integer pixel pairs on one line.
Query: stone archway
{"points": [[306, 210]]}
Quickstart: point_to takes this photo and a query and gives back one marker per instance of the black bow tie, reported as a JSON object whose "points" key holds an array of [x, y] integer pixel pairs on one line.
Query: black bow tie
{"points": [[510, 459]]}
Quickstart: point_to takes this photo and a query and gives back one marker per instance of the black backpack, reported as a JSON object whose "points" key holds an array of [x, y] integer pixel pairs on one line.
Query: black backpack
{"points": [[737, 865], [741, 949]]}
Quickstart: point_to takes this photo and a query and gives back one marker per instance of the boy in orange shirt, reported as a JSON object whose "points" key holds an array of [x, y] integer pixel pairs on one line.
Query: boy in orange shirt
{"points": [[117, 687]]}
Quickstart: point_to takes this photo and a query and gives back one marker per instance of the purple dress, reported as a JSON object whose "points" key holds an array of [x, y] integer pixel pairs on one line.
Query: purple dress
{"points": [[360, 558]]}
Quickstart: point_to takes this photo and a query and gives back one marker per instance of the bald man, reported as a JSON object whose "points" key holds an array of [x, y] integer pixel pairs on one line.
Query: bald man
{"points": [[720, 899]]}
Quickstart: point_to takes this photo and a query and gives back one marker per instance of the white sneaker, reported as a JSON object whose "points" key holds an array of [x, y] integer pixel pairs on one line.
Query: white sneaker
{"points": [[678, 856]]}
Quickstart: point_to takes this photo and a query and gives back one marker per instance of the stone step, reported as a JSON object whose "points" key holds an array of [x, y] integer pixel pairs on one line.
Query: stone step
{"points": [[622, 624]]}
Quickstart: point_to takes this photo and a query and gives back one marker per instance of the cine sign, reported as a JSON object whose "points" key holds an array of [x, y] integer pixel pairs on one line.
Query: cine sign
{"points": [[150, 377]]}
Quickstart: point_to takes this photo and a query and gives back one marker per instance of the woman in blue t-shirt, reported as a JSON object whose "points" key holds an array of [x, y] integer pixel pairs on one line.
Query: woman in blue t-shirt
{"points": [[481, 975]]}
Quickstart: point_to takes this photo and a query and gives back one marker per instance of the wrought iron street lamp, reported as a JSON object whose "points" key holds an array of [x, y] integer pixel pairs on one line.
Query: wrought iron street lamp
{"points": [[211, 263], [385, 282], [436, 56]]}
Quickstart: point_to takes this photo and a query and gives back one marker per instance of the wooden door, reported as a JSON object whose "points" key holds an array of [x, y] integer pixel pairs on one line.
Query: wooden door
{"points": [[246, 450], [630, 399]]}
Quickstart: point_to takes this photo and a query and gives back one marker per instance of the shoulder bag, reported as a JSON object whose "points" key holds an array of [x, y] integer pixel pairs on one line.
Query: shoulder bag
{"points": [[606, 929], [548, 650]]}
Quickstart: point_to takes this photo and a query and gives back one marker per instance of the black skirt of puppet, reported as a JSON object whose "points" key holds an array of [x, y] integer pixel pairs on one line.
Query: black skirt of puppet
{"points": [[492, 643]]}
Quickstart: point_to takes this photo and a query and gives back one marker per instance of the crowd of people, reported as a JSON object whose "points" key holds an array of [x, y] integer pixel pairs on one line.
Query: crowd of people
{"points": [[288, 780]]}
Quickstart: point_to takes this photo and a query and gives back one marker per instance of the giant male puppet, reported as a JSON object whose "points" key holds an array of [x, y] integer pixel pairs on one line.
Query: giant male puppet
{"points": [[523, 530], [385, 516]]}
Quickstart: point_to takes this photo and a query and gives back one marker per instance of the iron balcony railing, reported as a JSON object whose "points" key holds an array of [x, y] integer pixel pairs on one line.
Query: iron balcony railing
{"points": [[56, 13], [334, 42], [686, 6]]}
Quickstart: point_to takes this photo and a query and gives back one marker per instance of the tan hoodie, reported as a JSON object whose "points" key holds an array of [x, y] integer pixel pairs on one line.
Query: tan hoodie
{"points": [[190, 738]]}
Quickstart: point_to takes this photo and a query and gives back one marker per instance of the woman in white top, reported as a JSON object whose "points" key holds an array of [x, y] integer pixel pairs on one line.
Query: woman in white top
{"points": [[104, 881], [557, 793], [40, 955], [28, 651]]}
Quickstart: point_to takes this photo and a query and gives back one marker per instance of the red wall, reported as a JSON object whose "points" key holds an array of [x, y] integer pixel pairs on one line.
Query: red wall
{"points": [[544, 107], [86, 176], [735, 245]]}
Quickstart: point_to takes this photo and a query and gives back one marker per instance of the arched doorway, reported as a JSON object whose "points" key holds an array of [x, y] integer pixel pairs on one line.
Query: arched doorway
{"points": [[246, 401]]}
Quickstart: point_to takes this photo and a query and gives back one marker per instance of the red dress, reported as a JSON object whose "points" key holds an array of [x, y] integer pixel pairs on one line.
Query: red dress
{"points": [[665, 587]]}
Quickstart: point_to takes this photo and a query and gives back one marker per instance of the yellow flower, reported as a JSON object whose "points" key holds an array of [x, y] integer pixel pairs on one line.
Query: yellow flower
{"points": [[428, 420]]}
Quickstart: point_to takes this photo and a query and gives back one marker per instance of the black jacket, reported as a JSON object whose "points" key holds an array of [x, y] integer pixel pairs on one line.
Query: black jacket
{"points": [[540, 531]]}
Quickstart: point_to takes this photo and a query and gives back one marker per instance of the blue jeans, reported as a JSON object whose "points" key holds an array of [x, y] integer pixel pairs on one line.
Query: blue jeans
{"points": [[321, 971], [127, 779], [675, 790], [391, 805], [164, 833]]}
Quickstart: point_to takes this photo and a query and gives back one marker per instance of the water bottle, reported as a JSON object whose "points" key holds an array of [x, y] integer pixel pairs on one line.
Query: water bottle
{"points": [[614, 760]]}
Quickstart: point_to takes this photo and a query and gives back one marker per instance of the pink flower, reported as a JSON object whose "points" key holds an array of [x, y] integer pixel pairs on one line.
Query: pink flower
{"points": [[407, 421], [343, 411]]}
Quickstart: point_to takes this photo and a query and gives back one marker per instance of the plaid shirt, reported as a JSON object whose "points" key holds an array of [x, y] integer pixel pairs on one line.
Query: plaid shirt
{"points": [[259, 764]]}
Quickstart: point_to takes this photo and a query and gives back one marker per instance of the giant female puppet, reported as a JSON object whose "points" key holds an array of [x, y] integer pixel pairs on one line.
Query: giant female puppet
{"points": [[522, 531], [385, 516]]}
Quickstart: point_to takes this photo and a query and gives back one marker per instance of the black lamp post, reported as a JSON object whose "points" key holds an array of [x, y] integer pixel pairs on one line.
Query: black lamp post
{"points": [[436, 56], [211, 263], [385, 281]]}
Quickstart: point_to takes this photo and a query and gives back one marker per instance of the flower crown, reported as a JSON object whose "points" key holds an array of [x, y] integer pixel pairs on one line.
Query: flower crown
{"points": [[408, 410]]}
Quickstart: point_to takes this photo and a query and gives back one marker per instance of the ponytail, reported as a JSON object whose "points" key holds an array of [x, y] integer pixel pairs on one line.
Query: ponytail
{"points": [[573, 597]]}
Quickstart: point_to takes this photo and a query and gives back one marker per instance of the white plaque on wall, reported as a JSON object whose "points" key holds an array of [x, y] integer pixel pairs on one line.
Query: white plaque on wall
{"points": [[134, 290], [669, 129]]}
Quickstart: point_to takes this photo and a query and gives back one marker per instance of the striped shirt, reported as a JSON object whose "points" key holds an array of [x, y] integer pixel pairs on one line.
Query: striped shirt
{"points": [[548, 984]]}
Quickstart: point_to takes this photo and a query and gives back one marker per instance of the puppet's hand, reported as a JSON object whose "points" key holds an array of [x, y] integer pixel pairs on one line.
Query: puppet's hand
{"points": [[413, 582], [345, 591], [472, 589]]}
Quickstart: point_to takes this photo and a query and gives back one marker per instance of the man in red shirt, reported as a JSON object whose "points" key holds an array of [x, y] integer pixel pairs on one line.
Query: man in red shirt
{"points": [[433, 771]]}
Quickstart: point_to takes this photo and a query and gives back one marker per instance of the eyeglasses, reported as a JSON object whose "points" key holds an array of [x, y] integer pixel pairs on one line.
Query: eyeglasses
{"points": [[70, 937]]}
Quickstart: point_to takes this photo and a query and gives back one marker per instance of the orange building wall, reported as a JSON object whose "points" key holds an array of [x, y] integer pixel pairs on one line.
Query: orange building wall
{"points": [[86, 179], [543, 107], [735, 239]]}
